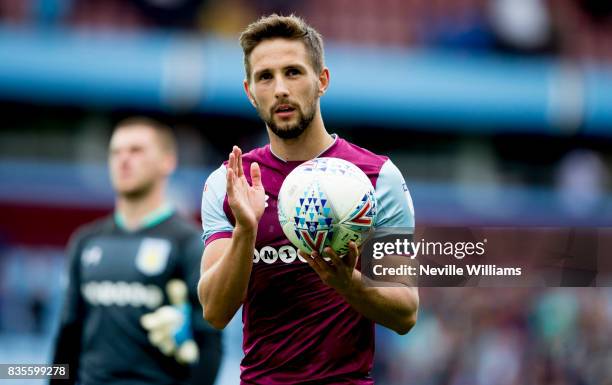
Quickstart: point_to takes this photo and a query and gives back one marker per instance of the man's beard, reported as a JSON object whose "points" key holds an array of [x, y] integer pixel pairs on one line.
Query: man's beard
{"points": [[295, 130]]}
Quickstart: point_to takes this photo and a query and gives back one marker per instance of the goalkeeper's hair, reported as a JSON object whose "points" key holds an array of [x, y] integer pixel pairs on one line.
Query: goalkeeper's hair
{"points": [[164, 133], [287, 27]]}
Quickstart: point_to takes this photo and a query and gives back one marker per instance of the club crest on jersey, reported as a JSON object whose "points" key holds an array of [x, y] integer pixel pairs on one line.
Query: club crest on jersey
{"points": [[153, 256], [91, 256]]}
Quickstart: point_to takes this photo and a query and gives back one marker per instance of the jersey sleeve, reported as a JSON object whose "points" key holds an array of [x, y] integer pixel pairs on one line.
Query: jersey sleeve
{"points": [[215, 223], [68, 340], [395, 208]]}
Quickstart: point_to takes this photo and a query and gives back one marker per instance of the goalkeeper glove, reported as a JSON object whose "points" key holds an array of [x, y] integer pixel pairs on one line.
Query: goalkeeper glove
{"points": [[169, 327]]}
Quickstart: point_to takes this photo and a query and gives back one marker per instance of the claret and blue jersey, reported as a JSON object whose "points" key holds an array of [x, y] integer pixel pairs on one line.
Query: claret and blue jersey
{"points": [[297, 329]]}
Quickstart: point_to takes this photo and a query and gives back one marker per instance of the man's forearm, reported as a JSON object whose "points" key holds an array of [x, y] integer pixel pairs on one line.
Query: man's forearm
{"points": [[393, 307], [223, 286]]}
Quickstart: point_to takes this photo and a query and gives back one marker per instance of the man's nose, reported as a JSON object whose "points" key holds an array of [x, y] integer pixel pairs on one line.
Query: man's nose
{"points": [[280, 90], [123, 158]]}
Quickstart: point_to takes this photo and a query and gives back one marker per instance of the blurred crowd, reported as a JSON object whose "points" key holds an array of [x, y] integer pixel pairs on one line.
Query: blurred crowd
{"points": [[576, 29], [502, 336]]}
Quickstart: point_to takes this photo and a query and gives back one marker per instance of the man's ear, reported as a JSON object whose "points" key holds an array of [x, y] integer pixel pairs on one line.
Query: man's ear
{"points": [[248, 92], [323, 81], [169, 163]]}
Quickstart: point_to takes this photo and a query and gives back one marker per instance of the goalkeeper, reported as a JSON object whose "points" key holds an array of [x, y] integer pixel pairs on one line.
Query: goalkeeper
{"points": [[131, 313]]}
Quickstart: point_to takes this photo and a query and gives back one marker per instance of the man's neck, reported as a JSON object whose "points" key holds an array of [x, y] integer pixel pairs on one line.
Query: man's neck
{"points": [[133, 212], [313, 141]]}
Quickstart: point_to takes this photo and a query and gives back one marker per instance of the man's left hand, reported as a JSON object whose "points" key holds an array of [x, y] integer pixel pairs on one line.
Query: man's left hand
{"points": [[337, 272]]}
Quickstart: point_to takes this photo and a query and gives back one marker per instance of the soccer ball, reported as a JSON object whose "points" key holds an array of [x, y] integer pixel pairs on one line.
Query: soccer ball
{"points": [[326, 202]]}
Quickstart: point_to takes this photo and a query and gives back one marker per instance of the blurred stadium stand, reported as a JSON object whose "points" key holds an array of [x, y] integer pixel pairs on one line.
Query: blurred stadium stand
{"points": [[498, 112]]}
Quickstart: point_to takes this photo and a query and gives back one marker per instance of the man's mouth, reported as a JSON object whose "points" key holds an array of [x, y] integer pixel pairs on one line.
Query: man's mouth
{"points": [[284, 110]]}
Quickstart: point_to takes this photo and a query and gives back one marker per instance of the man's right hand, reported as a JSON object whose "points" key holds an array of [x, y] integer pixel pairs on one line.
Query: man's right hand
{"points": [[227, 262], [247, 202]]}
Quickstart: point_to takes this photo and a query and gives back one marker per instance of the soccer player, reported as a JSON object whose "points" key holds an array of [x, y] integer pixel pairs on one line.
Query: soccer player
{"points": [[306, 320], [133, 276]]}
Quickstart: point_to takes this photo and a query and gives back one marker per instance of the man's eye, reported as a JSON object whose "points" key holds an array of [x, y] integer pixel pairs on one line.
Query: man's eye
{"points": [[293, 72], [265, 76]]}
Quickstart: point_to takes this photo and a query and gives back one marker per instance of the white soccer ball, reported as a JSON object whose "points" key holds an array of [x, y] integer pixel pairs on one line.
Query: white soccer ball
{"points": [[326, 202]]}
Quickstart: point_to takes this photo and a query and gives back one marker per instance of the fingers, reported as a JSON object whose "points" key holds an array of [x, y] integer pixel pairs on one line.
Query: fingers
{"points": [[305, 256], [230, 161], [166, 317], [353, 254], [322, 268], [234, 162], [230, 182], [188, 352], [255, 175], [238, 163], [321, 264], [311, 262], [177, 291], [234, 168], [331, 254], [240, 166]]}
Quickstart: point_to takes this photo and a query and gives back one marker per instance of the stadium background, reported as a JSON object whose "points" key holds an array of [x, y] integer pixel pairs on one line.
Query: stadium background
{"points": [[498, 112]]}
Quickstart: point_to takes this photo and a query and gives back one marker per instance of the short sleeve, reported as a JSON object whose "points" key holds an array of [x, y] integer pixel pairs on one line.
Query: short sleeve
{"points": [[395, 208], [215, 223]]}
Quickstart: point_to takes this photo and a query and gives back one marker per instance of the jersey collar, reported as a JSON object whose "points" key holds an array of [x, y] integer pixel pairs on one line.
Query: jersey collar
{"points": [[155, 217], [335, 136]]}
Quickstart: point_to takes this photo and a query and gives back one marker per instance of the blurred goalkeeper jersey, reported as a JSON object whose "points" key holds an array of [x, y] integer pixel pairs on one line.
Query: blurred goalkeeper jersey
{"points": [[115, 277], [296, 329]]}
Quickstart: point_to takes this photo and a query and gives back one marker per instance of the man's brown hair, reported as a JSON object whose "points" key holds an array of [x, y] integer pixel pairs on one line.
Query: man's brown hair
{"points": [[164, 133], [287, 27]]}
